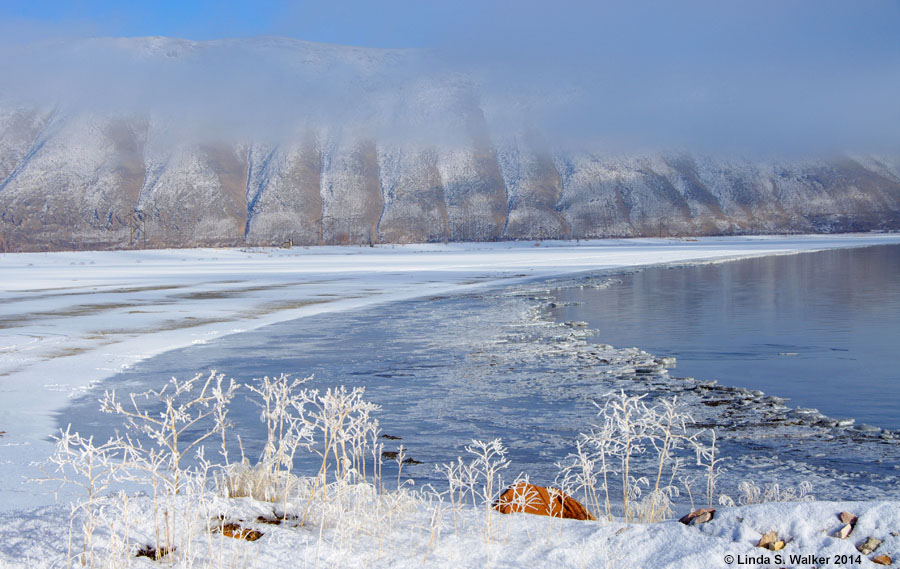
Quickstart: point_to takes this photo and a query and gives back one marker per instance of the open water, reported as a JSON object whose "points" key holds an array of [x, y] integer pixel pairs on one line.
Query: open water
{"points": [[822, 329]]}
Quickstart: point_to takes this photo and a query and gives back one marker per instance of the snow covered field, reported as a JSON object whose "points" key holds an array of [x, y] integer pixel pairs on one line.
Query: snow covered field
{"points": [[518, 541], [69, 320]]}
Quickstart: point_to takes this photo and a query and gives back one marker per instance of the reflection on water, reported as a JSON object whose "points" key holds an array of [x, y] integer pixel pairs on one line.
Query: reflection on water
{"points": [[447, 370], [821, 328]]}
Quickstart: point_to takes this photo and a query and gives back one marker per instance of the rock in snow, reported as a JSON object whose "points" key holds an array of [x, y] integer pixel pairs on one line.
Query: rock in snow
{"points": [[770, 541], [869, 545], [844, 531], [700, 516], [848, 518], [38, 539], [530, 499]]}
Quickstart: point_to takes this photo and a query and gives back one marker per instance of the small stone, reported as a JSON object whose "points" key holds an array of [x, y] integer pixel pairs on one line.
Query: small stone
{"points": [[882, 559], [844, 531], [767, 539], [868, 546], [153, 553], [700, 516], [848, 518], [771, 542], [235, 531]]}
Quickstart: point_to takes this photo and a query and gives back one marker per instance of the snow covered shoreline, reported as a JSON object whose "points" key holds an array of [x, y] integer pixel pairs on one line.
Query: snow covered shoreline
{"points": [[38, 538], [72, 319], [212, 295]]}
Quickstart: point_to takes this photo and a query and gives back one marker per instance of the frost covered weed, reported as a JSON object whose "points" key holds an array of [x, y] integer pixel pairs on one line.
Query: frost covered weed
{"points": [[490, 460], [78, 461], [706, 458], [287, 430], [337, 425], [435, 505], [187, 497], [479, 479], [344, 421], [628, 428], [257, 481], [164, 453], [346, 494], [750, 493], [193, 411]]}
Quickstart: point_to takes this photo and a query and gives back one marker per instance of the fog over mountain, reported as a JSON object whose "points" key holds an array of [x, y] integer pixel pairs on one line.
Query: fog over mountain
{"points": [[159, 142]]}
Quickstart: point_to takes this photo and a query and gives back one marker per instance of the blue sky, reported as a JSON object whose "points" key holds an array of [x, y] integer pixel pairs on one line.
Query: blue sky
{"points": [[867, 26], [389, 23]]}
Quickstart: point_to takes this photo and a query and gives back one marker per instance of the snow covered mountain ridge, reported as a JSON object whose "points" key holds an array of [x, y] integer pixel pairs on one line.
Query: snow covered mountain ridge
{"points": [[157, 142]]}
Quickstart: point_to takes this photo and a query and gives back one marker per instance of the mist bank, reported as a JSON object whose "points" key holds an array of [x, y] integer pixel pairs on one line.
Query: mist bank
{"points": [[171, 143]]}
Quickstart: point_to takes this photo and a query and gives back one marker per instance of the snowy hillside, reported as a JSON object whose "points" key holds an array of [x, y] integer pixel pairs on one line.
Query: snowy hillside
{"points": [[356, 146]]}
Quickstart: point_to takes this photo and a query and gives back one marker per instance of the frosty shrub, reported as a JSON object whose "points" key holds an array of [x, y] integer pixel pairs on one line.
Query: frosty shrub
{"points": [[712, 466], [628, 428], [192, 411], [343, 427], [93, 468], [164, 452], [162, 428], [626, 465], [750, 493], [588, 471], [165, 427], [337, 425], [479, 479], [343, 433], [281, 411]]}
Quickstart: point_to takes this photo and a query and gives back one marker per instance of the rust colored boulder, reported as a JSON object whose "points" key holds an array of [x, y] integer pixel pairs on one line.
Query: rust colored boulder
{"points": [[530, 499]]}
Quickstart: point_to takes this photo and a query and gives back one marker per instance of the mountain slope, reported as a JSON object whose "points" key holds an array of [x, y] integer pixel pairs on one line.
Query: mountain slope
{"points": [[366, 146]]}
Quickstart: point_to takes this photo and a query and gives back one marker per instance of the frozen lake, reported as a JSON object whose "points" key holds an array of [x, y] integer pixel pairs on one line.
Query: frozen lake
{"points": [[492, 362], [505, 363]]}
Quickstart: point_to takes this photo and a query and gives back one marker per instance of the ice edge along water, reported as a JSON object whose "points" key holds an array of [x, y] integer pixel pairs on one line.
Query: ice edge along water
{"points": [[71, 320]]}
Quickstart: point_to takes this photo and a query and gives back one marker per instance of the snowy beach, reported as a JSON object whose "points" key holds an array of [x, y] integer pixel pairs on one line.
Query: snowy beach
{"points": [[71, 320], [37, 539]]}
